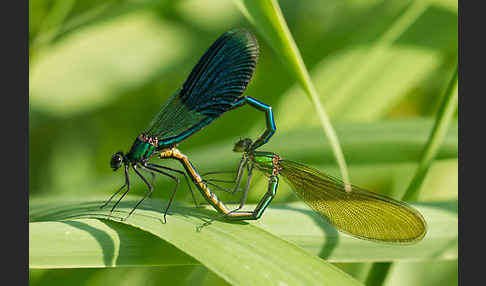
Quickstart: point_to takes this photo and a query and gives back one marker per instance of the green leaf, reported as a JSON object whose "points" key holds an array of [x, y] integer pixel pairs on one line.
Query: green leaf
{"points": [[96, 243], [59, 239], [260, 257]]}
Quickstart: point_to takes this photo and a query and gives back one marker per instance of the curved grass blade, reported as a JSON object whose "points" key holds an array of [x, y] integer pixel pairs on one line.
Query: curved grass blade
{"points": [[268, 19], [240, 253], [93, 243], [56, 242], [359, 213]]}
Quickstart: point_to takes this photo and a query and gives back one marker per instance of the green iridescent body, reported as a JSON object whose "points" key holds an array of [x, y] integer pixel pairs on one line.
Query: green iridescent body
{"points": [[263, 161], [142, 149]]}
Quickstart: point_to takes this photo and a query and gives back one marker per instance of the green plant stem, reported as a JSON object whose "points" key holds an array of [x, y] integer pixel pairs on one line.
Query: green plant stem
{"points": [[379, 271], [267, 17], [444, 117]]}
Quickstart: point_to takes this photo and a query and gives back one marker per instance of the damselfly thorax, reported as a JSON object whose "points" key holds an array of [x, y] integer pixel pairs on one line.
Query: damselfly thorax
{"points": [[143, 148]]}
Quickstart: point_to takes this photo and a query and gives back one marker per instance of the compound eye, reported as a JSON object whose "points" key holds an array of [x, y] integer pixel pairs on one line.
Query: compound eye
{"points": [[116, 161]]}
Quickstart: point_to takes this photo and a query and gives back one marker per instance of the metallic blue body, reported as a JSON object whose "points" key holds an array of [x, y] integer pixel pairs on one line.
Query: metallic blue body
{"points": [[271, 128], [270, 122]]}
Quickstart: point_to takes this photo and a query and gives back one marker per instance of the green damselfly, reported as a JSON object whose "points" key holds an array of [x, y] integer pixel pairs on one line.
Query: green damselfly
{"points": [[357, 212]]}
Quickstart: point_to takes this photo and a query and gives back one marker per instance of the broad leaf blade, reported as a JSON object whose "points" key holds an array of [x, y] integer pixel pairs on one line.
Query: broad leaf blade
{"points": [[100, 243], [260, 257]]}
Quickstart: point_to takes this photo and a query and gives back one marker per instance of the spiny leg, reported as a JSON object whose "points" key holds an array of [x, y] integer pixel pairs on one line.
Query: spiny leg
{"points": [[245, 192], [179, 172], [228, 190], [173, 193], [218, 172], [217, 180], [112, 196], [124, 194], [239, 170], [242, 201], [237, 180], [259, 209], [231, 191], [146, 195], [153, 178]]}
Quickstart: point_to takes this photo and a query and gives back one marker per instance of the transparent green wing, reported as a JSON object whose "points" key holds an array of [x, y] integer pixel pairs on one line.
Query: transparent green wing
{"points": [[359, 213]]}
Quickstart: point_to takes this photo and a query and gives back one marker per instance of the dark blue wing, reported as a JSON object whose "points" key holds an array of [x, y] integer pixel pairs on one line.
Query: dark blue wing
{"points": [[214, 85]]}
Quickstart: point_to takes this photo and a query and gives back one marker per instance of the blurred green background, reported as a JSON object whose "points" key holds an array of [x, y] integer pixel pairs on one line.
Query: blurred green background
{"points": [[99, 70]]}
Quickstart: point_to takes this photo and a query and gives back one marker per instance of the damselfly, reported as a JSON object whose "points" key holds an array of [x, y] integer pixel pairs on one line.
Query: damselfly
{"points": [[357, 212], [214, 86]]}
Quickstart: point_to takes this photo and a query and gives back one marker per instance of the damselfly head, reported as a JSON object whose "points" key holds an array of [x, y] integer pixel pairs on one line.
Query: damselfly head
{"points": [[116, 160], [242, 145]]}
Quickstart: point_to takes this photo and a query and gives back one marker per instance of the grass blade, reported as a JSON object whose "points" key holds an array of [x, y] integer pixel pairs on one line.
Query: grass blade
{"points": [[267, 17], [59, 239], [379, 272], [442, 123], [260, 257]]}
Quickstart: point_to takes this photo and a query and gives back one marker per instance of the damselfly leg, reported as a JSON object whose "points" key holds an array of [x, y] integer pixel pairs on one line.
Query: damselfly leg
{"points": [[176, 179], [236, 181], [127, 183], [178, 172], [146, 195], [150, 168], [152, 182]]}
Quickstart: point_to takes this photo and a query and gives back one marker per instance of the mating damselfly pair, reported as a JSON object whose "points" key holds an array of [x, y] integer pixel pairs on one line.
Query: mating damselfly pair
{"points": [[216, 85]]}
